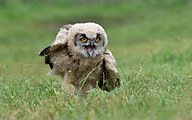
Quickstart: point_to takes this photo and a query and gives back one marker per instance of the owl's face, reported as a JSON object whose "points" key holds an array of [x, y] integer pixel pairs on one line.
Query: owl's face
{"points": [[89, 46], [89, 39]]}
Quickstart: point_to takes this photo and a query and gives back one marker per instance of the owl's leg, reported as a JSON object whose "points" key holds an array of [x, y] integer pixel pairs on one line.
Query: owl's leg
{"points": [[65, 85], [85, 89], [64, 78]]}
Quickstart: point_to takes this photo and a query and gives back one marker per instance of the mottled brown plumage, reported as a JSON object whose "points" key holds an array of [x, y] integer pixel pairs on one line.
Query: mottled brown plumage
{"points": [[80, 56]]}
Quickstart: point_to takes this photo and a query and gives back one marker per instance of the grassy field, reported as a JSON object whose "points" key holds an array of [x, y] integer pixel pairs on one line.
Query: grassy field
{"points": [[151, 42]]}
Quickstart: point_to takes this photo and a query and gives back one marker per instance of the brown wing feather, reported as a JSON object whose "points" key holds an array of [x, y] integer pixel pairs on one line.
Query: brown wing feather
{"points": [[60, 41], [45, 51], [110, 73]]}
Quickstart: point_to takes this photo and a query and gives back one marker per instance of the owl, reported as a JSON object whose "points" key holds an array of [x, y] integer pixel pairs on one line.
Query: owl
{"points": [[80, 56]]}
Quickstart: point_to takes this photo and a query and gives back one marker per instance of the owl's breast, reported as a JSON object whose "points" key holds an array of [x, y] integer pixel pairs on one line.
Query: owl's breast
{"points": [[76, 65], [86, 68]]}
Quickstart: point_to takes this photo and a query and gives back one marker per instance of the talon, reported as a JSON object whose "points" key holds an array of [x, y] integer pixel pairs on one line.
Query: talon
{"points": [[76, 93]]}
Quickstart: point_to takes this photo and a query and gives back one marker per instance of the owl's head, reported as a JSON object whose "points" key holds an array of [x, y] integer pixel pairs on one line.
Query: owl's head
{"points": [[87, 39]]}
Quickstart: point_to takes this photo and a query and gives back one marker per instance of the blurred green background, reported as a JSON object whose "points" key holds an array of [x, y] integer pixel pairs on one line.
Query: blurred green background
{"points": [[155, 32]]}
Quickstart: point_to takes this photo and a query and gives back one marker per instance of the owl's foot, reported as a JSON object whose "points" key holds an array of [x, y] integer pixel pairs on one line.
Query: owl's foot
{"points": [[68, 88], [76, 94]]}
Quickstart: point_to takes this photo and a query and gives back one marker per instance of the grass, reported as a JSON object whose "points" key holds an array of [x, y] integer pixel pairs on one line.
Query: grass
{"points": [[151, 42]]}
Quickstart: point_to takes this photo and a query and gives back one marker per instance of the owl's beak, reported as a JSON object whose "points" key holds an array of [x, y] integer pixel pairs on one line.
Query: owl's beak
{"points": [[90, 48]]}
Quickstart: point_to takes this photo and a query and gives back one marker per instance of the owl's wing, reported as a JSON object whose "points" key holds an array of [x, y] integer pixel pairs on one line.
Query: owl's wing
{"points": [[110, 73], [60, 41]]}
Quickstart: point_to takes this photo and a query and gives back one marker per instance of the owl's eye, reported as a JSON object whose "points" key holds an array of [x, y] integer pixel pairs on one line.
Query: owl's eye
{"points": [[84, 39], [97, 39]]}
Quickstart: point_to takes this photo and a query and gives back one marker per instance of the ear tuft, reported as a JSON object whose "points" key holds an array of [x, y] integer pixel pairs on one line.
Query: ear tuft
{"points": [[67, 26]]}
